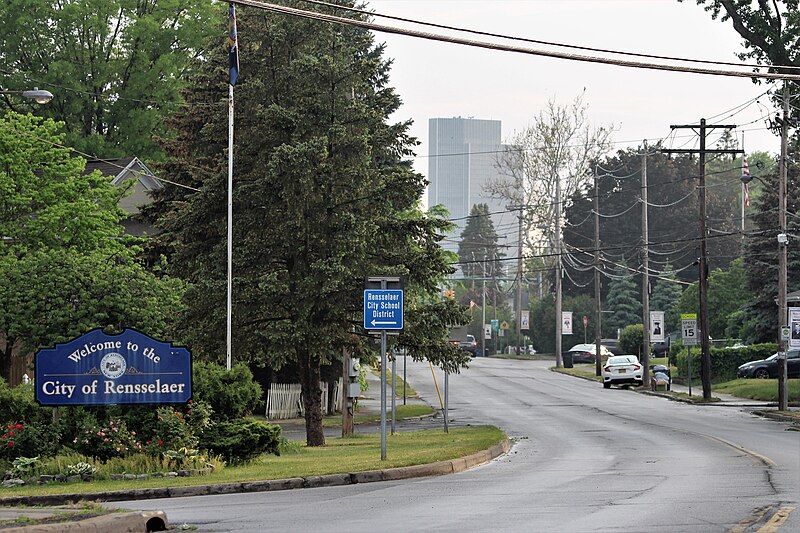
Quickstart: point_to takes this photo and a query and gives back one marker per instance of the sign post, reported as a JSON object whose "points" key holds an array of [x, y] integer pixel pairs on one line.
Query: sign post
{"points": [[383, 310], [689, 338]]}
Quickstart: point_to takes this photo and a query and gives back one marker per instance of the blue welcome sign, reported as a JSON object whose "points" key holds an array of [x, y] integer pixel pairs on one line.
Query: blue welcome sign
{"points": [[97, 368]]}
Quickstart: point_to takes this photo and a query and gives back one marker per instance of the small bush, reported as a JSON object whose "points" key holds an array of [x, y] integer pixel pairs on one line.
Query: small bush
{"points": [[109, 440], [631, 339], [231, 393], [241, 440], [25, 439]]}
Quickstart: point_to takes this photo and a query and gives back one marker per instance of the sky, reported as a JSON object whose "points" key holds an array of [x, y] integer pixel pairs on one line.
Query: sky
{"points": [[446, 80]]}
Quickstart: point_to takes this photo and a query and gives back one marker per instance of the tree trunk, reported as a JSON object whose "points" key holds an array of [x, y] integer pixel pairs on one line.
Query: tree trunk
{"points": [[312, 399]]}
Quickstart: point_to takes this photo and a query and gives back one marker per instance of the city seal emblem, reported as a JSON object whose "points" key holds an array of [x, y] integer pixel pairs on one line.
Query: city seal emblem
{"points": [[113, 365]]}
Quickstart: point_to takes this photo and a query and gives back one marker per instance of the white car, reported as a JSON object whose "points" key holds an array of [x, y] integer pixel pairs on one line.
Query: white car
{"points": [[622, 369]]}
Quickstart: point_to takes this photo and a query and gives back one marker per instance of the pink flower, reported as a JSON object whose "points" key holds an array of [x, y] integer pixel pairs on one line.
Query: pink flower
{"points": [[117, 449], [133, 433], [10, 444], [100, 433], [105, 439]]}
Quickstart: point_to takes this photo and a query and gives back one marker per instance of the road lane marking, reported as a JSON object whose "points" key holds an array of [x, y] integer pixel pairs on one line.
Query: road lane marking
{"points": [[756, 517], [777, 520]]}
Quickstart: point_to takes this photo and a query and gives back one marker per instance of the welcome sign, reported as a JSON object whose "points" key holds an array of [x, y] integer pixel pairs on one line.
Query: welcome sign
{"points": [[97, 368]]}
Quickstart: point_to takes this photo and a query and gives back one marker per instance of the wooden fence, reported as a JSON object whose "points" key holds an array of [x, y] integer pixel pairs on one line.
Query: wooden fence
{"points": [[285, 400]]}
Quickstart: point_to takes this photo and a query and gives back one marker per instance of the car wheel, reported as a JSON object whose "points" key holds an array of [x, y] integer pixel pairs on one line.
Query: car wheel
{"points": [[606, 385], [761, 373]]}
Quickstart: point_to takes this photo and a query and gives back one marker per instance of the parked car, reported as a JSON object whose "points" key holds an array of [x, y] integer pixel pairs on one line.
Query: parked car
{"points": [[621, 370], [661, 349], [470, 345], [584, 353], [768, 368], [613, 346]]}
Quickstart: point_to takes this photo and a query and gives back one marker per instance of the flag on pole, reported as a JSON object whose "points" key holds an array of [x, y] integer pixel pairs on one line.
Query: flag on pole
{"points": [[233, 46], [746, 173]]}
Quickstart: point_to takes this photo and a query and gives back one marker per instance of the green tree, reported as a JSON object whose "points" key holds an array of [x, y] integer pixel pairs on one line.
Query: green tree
{"points": [[478, 253], [761, 258], [323, 197], [63, 268], [114, 66], [769, 29], [623, 301], [727, 294], [666, 294]]}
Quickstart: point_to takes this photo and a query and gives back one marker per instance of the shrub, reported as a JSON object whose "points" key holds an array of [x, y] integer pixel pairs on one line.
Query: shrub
{"points": [[231, 393], [171, 432], [18, 403], [724, 361], [110, 440], [241, 440], [631, 339], [24, 439]]}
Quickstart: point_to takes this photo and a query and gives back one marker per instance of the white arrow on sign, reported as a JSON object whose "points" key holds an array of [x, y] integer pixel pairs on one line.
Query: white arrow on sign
{"points": [[376, 323]]}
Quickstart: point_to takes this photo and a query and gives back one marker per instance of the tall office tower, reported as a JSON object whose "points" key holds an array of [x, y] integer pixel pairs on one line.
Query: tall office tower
{"points": [[462, 160]]}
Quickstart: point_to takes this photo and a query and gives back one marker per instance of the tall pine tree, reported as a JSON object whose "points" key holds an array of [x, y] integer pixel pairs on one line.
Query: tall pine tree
{"points": [[322, 198]]}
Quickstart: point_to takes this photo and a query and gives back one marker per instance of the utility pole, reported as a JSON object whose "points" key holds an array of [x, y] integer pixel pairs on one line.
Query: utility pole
{"points": [[559, 325], [483, 307], [782, 246], [598, 329], [705, 369], [519, 283], [645, 276]]}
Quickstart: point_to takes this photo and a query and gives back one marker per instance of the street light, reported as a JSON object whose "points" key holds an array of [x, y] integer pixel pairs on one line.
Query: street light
{"points": [[40, 96]]}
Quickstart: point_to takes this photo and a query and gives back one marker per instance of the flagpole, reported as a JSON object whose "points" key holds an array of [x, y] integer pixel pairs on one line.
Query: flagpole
{"points": [[230, 220], [233, 70]]}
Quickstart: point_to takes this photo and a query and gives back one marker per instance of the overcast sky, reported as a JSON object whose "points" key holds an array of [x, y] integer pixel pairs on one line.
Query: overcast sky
{"points": [[446, 80]]}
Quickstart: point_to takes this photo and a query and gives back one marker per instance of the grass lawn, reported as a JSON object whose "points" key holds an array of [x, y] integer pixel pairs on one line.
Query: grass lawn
{"points": [[582, 370], [759, 389], [339, 455], [403, 412]]}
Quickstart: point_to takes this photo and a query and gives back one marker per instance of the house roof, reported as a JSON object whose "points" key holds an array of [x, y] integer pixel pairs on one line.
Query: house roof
{"points": [[124, 168]]}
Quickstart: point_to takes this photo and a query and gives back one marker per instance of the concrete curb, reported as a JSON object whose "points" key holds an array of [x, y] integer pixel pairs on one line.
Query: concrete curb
{"points": [[135, 522], [331, 480]]}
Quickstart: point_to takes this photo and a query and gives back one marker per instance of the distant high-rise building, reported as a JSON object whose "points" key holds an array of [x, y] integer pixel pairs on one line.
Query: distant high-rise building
{"points": [[462, 161]]}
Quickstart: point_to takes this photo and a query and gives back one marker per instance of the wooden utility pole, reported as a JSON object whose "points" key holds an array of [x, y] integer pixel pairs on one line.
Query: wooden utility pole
{"points": [[598, 329], [559, 325], [645, 276], [705, 368], [519, 283], [782, 246]]}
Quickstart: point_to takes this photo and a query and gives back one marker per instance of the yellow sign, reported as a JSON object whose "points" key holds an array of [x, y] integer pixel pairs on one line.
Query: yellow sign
{"points": [[504, 325], [688, 316]]}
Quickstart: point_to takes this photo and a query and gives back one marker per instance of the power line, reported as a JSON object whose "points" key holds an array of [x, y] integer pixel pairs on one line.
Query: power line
{"points": [[516, 49]]}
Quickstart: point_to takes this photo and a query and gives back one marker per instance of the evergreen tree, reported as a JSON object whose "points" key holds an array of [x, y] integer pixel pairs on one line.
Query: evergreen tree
{"points": [[478, 252], [322, 198], [666, 294], [761, 254], [623, 301]]}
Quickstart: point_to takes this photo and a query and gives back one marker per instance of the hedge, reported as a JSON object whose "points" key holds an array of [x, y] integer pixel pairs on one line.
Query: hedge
{"points": [[724, 361]]}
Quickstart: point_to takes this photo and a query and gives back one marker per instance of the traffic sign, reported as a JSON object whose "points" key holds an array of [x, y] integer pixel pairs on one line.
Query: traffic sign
{"points": [[689, 329], [383, 309]]}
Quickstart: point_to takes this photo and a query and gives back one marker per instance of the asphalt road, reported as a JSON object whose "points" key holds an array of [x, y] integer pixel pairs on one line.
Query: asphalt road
{"points": [[585, 459]]}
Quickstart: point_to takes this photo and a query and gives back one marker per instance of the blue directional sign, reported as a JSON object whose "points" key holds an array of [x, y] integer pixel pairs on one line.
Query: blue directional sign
{"points": [[383, 309]]}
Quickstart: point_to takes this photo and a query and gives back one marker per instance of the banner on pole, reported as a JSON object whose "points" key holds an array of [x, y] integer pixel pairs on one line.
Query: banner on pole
{"points": [[566, 322]]}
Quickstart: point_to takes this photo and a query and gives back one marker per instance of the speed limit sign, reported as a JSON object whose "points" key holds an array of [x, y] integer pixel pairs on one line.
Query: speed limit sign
{"points": [[689, 329]]}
